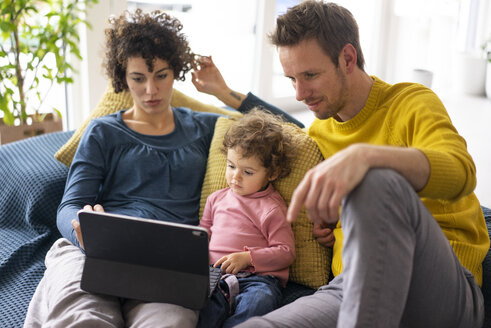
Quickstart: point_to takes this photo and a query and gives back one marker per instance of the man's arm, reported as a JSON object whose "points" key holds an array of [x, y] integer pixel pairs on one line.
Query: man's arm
{"points": [[411, 163], [324, 186]]}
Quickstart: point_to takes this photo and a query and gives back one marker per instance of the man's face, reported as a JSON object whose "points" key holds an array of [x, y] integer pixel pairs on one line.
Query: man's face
{"points": [[317, 81]]}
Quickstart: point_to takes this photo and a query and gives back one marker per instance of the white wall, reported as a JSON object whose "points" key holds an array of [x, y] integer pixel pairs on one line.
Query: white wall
{"points": [[87, 89], [396, 35]]}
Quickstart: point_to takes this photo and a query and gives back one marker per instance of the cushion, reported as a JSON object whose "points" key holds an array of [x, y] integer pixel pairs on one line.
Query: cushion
{"points": [[112, 102], [312, 263]]}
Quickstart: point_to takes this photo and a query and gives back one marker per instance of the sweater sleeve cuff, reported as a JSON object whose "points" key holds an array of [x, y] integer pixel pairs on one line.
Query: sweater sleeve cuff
{"points": [[447, 178]]}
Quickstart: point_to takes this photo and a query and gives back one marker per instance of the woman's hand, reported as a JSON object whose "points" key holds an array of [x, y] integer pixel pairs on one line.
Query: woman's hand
{"points": [[207, 78], [76, 224], [235, 262]]}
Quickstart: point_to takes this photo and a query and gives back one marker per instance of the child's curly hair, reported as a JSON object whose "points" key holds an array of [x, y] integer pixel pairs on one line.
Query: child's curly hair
{"points": [[266, 136], [147, 35]]}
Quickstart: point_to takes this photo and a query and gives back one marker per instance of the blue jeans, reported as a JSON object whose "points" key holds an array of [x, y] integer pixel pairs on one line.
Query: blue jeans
{"points": [[258, 295]]}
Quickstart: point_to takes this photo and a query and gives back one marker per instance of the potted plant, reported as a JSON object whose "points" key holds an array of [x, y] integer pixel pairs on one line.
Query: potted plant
{"points": [[37, 38]]}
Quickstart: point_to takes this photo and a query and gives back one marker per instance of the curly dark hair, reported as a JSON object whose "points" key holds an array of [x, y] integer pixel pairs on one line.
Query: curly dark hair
{"points": [[266, 136], [147, 35]]}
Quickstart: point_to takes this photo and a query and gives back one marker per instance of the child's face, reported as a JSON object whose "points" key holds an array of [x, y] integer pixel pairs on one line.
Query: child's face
{"points": [[245, 175]]}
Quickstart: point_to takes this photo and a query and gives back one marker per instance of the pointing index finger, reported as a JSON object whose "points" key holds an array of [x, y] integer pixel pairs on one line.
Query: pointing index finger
{"points": [[298, 199]]}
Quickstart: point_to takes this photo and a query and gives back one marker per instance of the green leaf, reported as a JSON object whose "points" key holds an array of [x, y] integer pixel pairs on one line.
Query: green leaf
{"points": [[8, 116], [57, 112], [46, 31]]}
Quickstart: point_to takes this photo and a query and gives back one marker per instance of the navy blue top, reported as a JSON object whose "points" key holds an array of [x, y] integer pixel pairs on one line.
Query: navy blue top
{"points": [[252, 101], [156, 177]]}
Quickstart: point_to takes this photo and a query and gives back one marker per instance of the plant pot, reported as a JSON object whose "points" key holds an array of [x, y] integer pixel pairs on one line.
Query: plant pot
{"points": [[471, 74], [423, 77], [11, 133]]}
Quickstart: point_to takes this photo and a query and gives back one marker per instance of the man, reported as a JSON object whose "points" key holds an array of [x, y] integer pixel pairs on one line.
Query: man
{"points": [[413, 235]]}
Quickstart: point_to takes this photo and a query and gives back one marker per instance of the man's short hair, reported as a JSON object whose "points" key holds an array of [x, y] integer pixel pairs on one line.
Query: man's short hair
{"points": [[331, 25]]}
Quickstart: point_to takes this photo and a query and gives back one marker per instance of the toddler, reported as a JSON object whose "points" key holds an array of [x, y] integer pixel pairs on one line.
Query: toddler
{"points": [[250, 238]]}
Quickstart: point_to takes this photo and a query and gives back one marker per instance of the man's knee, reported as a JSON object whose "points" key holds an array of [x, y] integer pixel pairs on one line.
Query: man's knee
{"points": [[381, 180], [379, 186], [382, 193]]}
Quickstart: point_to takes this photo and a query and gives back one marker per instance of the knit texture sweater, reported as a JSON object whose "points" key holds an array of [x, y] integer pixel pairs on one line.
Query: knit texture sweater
{"points": [[155, 177], [411, 115], [255, 223]]}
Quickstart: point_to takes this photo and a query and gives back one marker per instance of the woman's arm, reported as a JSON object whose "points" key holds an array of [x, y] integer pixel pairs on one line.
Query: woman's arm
{"points": [[208, 79], [83, 184]]}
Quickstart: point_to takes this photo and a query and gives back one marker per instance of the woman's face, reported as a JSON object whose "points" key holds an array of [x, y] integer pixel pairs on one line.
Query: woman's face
{"points": [[151, 91]]}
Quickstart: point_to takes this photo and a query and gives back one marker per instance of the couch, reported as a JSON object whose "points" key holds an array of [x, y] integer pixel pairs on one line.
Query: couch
{"points": [[31, 186]]}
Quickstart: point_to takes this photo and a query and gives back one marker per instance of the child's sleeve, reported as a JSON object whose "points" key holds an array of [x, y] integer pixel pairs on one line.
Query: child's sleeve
{"points": [[207, 218], [281, 250]]}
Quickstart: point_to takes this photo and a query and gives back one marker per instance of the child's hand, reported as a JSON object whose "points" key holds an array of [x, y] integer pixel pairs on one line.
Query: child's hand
{"points": [[235, 262], [323, 233]]}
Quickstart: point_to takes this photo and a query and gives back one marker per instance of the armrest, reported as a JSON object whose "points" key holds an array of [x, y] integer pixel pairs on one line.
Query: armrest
{"points": [[32, 182], [31, 187]]}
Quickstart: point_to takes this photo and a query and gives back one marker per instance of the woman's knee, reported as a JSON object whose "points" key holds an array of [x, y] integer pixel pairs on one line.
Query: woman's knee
{"points": [[141, 314]]}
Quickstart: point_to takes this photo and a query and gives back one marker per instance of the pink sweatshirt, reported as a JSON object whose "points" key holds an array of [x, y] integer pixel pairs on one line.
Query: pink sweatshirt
{"points": [[255, 223]]}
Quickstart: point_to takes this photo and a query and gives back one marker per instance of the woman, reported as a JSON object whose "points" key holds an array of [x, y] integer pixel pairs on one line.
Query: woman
{"points": [[147, 161]]}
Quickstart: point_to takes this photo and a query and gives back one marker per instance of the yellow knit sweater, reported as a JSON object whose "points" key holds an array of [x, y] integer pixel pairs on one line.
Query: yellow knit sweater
{"points": [[410, 115]]}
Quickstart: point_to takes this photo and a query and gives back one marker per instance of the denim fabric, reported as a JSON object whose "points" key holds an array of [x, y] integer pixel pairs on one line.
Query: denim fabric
{"points": [[258, 295]]}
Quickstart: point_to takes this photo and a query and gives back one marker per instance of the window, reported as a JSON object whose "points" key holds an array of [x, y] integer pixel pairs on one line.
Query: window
{"points": [[365, 12], [224, 29], [396, 36]]}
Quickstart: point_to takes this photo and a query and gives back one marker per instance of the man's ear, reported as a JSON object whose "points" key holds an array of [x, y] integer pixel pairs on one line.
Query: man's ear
{"points": [[348, 58]]}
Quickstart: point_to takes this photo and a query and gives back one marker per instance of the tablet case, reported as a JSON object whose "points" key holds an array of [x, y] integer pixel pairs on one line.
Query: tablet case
{"points": [[148, 260]]}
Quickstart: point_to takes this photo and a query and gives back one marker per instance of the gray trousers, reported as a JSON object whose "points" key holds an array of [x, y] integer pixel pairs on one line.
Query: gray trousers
{"points": [[399, 268], [59, 301]]}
